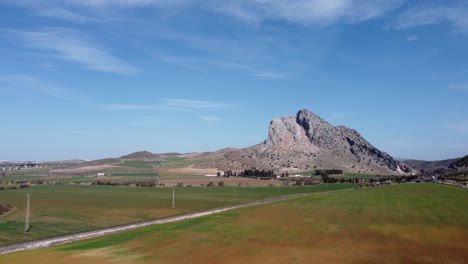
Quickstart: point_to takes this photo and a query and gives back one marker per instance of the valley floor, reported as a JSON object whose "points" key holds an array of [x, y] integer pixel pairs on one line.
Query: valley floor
{"points": [[407, 223]]}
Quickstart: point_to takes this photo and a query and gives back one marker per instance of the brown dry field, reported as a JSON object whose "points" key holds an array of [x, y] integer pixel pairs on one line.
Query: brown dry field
{"points": [[412, 223], [192, 170], [86, 169]]}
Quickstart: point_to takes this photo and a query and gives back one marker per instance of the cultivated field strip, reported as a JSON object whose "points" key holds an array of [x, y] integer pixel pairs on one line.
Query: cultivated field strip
{"points": [[107, 231]]}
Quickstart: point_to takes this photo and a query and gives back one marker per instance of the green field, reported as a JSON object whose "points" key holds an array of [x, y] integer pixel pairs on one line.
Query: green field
{"points": [[58, 210], [22, 178], [140, 164], [407, 223]]}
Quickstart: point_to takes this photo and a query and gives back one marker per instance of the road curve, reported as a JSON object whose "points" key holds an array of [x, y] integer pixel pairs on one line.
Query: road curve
{"points": [[102, 232]]}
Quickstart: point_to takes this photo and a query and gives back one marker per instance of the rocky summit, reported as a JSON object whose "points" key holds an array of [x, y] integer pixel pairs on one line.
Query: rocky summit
{"points": [[308, 142]]}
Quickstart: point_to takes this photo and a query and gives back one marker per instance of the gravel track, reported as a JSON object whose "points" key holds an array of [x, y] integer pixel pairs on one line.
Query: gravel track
{"points": [[43, 243]]}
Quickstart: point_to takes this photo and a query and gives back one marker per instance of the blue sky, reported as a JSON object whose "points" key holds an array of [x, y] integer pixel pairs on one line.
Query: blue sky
{"points": [[99, 78]]}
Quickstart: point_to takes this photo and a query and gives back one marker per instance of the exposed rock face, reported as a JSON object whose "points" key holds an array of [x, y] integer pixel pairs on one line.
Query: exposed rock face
{"points": [[309, 142]]}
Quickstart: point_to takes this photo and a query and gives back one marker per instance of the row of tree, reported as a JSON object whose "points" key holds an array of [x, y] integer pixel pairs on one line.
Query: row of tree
{"points": [[256, 173], [328, 172]]}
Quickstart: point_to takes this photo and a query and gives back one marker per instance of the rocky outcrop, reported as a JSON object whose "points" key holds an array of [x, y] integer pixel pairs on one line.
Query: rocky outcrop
{"points": [[307, 142]]}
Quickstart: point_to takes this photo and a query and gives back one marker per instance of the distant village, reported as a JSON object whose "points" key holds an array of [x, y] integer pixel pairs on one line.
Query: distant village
{"points": [[9, 166]]}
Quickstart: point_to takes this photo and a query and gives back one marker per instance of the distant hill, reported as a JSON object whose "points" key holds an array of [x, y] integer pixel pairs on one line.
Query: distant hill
{"points": [[101, 162], [307, 142], [142, 155], [429, 165], [462, 163]]}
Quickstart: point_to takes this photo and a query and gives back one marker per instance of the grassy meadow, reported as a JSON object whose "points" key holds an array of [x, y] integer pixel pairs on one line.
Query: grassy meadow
{"points": [[407, 223], [58, 210]]}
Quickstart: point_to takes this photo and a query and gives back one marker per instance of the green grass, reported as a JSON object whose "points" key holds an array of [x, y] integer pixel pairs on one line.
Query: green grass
{"points": [[22, 178], [176, 162], [406, 223], [180, 162], [140, 164], [58, 210], [348, 175], [172, 162]]}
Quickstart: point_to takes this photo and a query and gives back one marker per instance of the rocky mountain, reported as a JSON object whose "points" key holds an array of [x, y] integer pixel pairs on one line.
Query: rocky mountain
{"points": [[307, 142]]}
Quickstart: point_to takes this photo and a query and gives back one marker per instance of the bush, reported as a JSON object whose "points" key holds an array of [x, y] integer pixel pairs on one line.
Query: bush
{"points": [[221, 184], [210, 184]]}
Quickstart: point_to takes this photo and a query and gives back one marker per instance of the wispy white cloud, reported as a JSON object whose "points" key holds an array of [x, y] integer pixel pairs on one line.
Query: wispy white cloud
{"points": [[458, 87], [312, 12], [184, 62], [71, 46], [129, 3], [202, 64], [25, 82], [273, 75], [305, 12], [65, 14], [236, 9], [210, 120], [167, 104], [412, 38], [429, 15]]}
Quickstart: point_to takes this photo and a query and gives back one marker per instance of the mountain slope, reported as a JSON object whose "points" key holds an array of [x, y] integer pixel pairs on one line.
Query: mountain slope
{"points": [[141, 155], [429, 165]]}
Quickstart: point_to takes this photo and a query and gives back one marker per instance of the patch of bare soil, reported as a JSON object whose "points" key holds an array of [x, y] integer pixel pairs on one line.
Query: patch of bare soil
{"points": [[192, 170], [85, 169], [5, 209]]}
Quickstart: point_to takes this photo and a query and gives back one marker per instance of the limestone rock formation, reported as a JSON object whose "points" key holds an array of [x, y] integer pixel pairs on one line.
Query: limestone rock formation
{"points": [[307, 142]]}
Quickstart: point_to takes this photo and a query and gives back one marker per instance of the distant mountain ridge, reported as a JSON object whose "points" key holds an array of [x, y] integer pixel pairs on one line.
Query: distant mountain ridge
{"points": [[429, 165], [461, 163], [448, 164]]}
